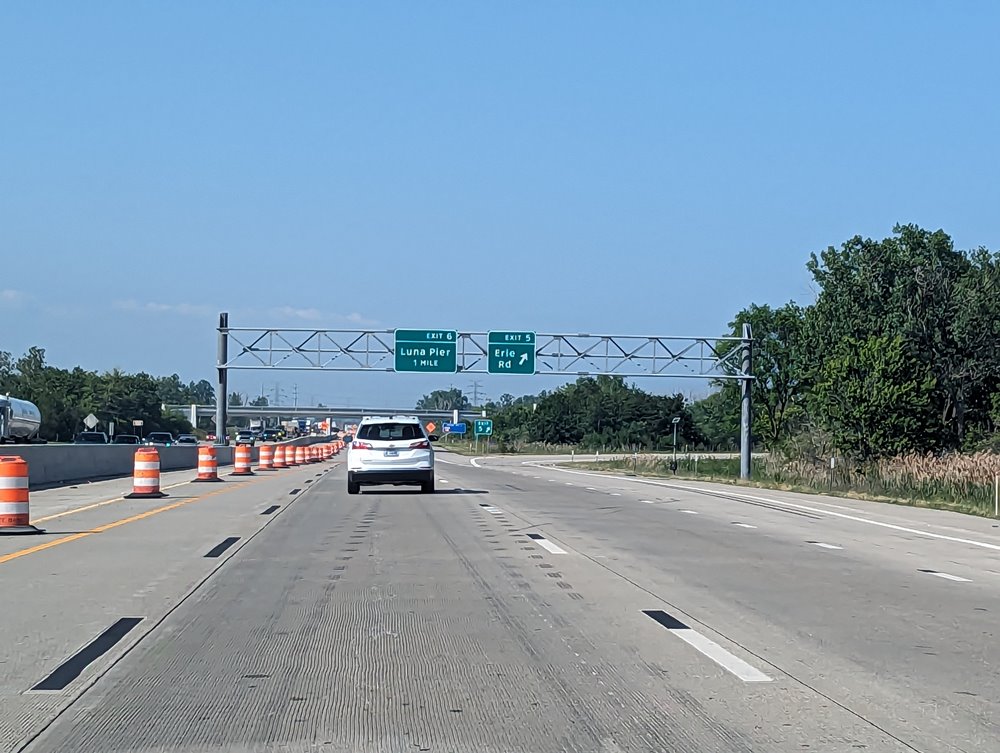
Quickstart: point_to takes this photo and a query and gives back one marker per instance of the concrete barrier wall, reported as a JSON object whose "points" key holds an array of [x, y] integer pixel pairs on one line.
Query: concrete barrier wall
{"points": [[57, 465]]}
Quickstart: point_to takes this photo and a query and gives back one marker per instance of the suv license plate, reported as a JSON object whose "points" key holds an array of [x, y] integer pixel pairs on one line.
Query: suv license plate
{"points": [[392, 453]]}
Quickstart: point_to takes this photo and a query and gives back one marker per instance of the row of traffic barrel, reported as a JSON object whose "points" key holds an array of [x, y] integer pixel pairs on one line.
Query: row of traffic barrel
{"points": [[14, 477]]}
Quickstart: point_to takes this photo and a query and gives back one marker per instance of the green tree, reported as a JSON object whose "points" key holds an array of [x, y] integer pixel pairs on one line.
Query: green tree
{"points": [[876, 397], [450, 399]]}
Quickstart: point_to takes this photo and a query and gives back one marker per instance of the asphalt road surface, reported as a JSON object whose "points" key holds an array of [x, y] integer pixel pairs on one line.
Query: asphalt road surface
{"points": [[521, 608]]}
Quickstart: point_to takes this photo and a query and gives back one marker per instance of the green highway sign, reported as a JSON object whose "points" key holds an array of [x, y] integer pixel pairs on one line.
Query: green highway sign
{"points": [[483, 427], [426, 350], [511, 353]]}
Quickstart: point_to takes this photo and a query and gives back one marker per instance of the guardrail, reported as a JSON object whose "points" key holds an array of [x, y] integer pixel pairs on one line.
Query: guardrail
{"points": [[59, 465]]}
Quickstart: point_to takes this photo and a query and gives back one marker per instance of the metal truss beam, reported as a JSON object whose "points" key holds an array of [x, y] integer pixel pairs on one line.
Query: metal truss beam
{"points": [[556, 354]]}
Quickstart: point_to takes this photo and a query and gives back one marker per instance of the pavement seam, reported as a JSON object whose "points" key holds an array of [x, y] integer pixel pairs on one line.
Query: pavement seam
{"points": [[94, 679]]}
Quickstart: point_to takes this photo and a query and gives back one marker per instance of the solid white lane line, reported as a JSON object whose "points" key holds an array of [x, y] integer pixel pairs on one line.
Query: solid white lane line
{"points": [[794, 506], [824, 546], [744, 525], [474, 463], [947, 576], [720, 656]]}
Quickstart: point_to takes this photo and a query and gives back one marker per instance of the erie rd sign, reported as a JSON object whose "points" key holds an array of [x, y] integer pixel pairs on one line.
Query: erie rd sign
{"points": [[426, 350], [511, 352], [483, 427]]}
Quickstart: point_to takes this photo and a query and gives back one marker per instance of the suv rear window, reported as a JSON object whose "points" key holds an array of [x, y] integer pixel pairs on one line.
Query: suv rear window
{"points": [[390, 431]]}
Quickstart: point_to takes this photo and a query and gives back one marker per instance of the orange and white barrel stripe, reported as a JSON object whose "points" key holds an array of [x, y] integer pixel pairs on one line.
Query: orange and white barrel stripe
{"points": [[208, 464], [327, 451], [290, 456], [146, 474], [243, 460], [13, 492], [300, 455], [279, 457], [266, 462], [313, 454]]}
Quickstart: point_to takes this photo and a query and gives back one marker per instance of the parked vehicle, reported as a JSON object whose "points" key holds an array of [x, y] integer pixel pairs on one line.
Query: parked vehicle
{"points": [[19, 420], [91, 437]]}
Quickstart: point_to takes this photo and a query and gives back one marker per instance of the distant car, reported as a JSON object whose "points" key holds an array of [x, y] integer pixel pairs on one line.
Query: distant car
{"points": [[187, 439], [270, 435], [391, 450], [246, 437], [126, 439], [91, 437], [210, 437], [164, 438]]}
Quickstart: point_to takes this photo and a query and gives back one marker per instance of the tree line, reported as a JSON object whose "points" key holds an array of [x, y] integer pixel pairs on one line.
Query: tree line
{"points": [[898, 353], [66, 397]]}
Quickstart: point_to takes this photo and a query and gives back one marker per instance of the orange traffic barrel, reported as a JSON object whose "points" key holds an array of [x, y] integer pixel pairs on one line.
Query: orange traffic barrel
{"points": [[300, 455], [279, 457], [266, 462], [327, 451], [242, 462], [14, 496], [208, 464], [146, 475], [290, 460], [313, 456]]}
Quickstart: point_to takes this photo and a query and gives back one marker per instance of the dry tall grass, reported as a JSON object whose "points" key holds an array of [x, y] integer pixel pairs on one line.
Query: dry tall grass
{"points": [[963, 482]]}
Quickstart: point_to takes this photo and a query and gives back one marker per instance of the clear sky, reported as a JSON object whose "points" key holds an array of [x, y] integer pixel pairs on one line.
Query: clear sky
{"points": [[622, 167]]}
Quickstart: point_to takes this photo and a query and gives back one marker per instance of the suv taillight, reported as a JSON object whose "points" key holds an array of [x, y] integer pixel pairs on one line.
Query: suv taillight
{"points": [[360, 446], [422, 445]]}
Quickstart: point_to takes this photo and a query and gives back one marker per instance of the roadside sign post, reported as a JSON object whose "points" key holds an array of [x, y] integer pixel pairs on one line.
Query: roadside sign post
{"points": [[424, 351], [510, 352]]}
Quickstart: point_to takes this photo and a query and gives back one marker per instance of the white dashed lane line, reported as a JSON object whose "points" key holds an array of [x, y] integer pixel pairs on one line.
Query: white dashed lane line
{"points": [[707, 647], [946, 576], [689, 512], [744, 525], [545, 544], [823, 545]]}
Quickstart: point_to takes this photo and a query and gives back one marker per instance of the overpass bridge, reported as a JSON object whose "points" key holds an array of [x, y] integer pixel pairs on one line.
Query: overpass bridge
{"points": [[319, 411]]}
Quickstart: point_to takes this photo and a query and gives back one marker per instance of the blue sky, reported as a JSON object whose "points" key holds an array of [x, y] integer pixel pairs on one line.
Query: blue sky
{"points": [[642, 167]]}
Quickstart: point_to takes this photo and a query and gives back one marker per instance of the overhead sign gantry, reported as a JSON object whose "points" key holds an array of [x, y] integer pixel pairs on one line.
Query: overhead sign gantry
{"points": [[449, 351]]}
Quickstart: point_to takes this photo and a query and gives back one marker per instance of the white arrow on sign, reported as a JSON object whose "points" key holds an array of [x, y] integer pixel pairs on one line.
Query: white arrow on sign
{"points": [[524, 359]]}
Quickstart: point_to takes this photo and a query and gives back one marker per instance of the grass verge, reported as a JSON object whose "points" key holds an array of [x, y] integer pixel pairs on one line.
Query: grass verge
{"points": [[970, 497]]}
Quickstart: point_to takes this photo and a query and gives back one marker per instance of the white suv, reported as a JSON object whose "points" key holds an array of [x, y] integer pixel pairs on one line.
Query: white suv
{"points": [[390, 450]]}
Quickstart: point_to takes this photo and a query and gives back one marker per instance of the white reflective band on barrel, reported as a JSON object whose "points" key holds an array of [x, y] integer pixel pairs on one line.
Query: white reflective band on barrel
{"points": [[13, 508], [146, 465], [13, 482], [146, 482]]}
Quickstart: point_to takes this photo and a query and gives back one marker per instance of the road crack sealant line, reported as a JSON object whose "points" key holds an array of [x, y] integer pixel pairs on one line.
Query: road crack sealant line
{"points": [[90, 682], [791, 505], [677, 608]]}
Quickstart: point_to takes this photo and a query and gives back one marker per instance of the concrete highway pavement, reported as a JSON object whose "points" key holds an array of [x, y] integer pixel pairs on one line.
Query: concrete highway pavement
{"points": [[521, 608]]}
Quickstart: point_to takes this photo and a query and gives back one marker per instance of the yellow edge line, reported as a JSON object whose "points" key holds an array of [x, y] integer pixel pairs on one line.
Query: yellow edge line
{"points": [[96, 505], [123, 521]]}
